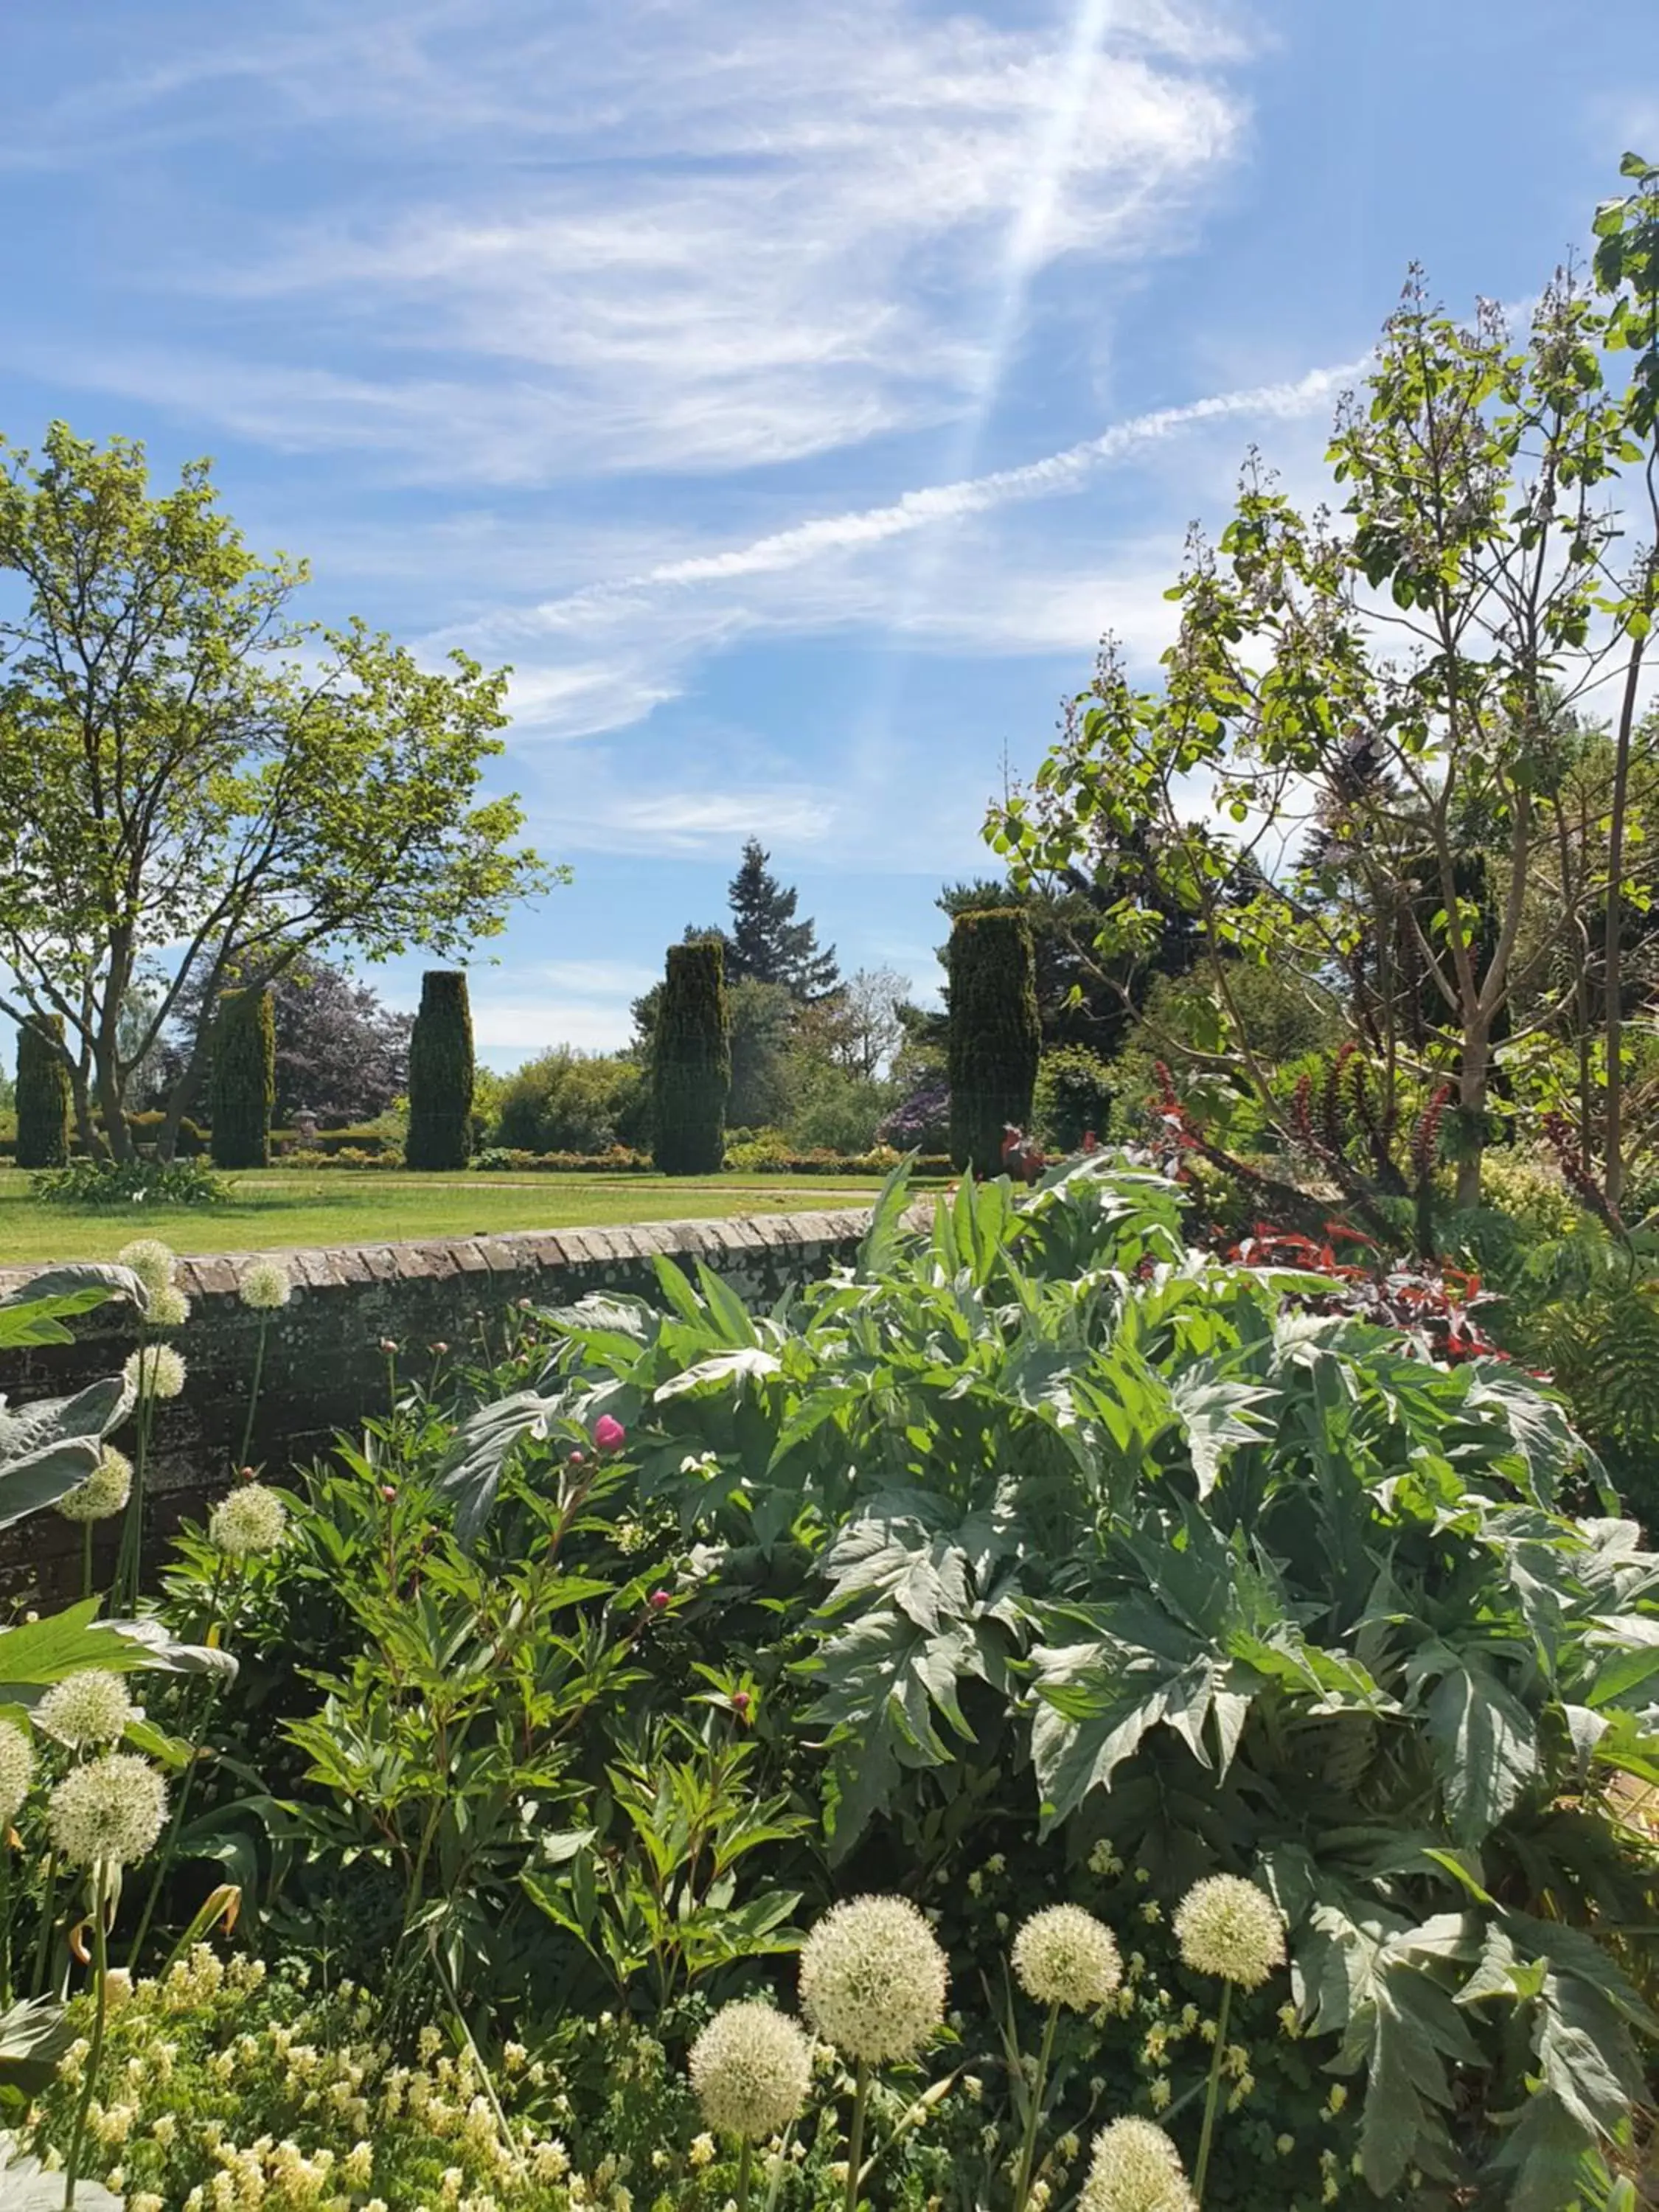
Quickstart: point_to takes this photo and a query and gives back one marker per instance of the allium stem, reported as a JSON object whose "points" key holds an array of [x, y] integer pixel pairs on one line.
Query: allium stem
{"points": [[855, 2135], [1212, 2094], [101, 2006], [48, 1915], [132, 1533], [86, 1559], [253, 1390], [1034, 2114], [5, 1918], [745, 2154]]}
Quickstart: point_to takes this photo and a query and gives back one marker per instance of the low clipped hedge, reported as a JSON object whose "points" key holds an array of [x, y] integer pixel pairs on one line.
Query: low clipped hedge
{"points": [[367, 1139]]}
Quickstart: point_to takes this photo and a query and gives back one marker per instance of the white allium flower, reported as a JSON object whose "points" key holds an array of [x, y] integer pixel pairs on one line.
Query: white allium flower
{"points": [[872, 1978], [1227, 1927], [1136, 2168], [752, 2067], [17, 1771], [111, 1809], [156, 1371], [266, 1286], [168, 1308], [104, 1491], [150, 1261], [1065, 1956], [249, 1522], [91, 1706]]}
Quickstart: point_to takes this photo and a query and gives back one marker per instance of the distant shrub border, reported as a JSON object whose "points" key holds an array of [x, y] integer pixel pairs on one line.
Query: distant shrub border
{"points": [[500, 1159]]}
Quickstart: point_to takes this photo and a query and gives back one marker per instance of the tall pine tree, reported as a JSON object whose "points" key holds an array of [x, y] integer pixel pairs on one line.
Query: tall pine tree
{"points": [[766, 944]]}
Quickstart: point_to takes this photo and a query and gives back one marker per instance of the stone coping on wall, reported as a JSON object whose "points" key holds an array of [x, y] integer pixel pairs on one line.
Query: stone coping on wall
{"points": [[324, 1369]]}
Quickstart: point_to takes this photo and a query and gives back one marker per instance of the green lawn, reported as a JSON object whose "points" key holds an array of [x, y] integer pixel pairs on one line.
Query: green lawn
{"points": [[364, 1206]]}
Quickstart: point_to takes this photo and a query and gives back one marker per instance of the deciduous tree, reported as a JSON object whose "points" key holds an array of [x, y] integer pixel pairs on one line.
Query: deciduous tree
{"points": [[196, 787]]}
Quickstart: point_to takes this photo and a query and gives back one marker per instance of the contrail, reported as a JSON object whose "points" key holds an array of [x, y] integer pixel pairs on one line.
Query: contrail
{"points": [[947, 502]]}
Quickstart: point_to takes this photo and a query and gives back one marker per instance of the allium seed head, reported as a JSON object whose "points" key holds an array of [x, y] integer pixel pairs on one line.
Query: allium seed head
{"points": [[266, 1286], [91, 1706], [1065, 1956], [752, 2067], [1227, 1927], [104, 1490], [248, 1523], [872, 1978], [155, 1372], [1136, 2168], [110, 1809], [150, 1261], [168, 1307], [17, 1771]]}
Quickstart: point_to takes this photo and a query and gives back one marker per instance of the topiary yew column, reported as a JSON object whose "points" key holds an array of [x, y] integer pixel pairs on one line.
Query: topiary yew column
{"points": [[243, 1089], [691, 1062], [995, 1036], [43, 1093], [441, 1072]]}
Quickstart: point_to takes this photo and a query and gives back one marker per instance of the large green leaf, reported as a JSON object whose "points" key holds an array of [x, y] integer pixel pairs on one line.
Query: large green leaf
{"points": [[35, 1312], [1485, 1740], [49, 1446], [38, 1653]]}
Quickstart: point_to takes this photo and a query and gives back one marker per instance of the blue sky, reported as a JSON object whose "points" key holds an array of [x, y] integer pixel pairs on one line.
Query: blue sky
{"points": [[792, 395]]}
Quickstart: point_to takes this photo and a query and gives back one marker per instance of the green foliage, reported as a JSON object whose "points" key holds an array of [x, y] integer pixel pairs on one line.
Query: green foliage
{"points": [[994, 1037], [244, 1088], [43, 1093], [441, 1075], [836, 1111], [691, 1062], [1230, 1581], [766, 944], [566, 1101], [1074, 1095], [118, 1186]]}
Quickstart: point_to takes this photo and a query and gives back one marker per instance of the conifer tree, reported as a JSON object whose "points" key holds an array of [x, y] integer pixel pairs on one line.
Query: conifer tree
{"points": [[766, 944], [691, 1061], [244, 1082], [441, 1075], [994, 1037], [43, 1093]]}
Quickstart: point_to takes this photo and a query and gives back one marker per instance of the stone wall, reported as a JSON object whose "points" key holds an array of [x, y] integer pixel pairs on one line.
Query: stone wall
{"points": [[324, 1368]]}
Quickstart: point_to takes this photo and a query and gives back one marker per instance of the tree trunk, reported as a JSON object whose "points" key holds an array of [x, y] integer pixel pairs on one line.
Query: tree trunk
{"points": [[1613, 1134], [1474, 1069], [183, 1095]]}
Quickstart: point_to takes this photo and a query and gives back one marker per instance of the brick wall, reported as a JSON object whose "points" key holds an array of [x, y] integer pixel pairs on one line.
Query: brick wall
{"points": [[324, 1369]]}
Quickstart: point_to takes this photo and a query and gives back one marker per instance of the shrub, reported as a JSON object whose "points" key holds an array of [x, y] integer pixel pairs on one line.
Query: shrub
{"points": [[837, 1111], [566, 1101], [691, 1061], [920, 1122], [43, 1093], [122, 1184], [995, 1034], [244, 1081], [363, 1140], [441, 1073], [1074, 1095]]}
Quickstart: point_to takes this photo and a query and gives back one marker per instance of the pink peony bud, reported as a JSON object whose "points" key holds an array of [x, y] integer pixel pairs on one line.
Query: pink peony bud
{"points": [[660, 1598], [438, 1349], [388, 1491], [579, 1459], [609, 1434], [739, 1701]]}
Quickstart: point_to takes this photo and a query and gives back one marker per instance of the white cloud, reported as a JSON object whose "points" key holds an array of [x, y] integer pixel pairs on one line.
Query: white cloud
{"points": [[514, 1028]]}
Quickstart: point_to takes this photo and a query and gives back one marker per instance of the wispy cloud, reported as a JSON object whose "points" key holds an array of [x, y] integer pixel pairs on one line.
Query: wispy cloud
{"points": [[704, 237]]}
